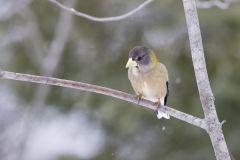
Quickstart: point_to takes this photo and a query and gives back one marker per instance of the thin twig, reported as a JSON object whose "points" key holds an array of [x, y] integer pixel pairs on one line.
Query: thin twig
{"points": [[10, 8], [221, 4], [101, 19], [102, 90], [213, 3], [223, 122]]}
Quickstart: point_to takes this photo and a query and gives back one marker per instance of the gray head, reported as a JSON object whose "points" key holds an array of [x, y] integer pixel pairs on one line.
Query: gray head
{"points": [[140, 54]]}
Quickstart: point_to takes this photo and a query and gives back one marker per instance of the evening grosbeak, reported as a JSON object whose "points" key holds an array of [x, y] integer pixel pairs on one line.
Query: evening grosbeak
{"points": [[149, 78]]}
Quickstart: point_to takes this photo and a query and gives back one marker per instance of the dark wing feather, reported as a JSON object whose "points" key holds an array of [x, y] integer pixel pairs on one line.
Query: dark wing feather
{"points": [[167, 94]]}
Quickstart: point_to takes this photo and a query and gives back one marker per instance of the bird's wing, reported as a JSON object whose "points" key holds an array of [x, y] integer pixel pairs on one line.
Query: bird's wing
{"points": [[167, 94], [156, 80]]}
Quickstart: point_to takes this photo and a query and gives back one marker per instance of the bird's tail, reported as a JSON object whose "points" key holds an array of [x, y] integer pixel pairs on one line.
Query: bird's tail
{"points": [[163, 102], [162, 115]]}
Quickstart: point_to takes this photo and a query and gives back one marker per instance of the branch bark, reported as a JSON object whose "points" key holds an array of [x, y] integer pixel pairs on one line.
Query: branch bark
{"points": [[105, 91], [213, 129]]}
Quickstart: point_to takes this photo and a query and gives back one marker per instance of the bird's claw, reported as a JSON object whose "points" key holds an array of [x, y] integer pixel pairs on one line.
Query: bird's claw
{"points": [[139, 98], [158, 105]]}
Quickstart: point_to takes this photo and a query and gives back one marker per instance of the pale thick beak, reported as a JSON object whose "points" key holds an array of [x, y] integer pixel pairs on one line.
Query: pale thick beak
{"points": [[131, 63]]}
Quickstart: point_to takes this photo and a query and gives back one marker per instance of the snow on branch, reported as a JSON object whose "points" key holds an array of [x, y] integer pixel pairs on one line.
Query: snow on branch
{"points": [[101, 19], [105, 91]]}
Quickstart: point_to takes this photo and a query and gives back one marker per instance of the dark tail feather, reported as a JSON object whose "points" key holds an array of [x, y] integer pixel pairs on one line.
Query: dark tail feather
{"points": [[167, 94]]}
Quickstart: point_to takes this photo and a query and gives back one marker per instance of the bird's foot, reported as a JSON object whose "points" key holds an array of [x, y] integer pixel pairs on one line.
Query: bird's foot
{"points": [[158, 105], [159, 113], [139, 98]]}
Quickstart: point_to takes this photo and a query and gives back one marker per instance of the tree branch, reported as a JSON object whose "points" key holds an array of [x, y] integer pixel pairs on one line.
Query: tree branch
{"points": [[102, 90], [207, 100], [221, 4], [101, 19], [211, 3], [48, 67]]}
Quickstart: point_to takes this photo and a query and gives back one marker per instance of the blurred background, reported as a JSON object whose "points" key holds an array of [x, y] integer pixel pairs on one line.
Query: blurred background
{"points": [[53, 123]]}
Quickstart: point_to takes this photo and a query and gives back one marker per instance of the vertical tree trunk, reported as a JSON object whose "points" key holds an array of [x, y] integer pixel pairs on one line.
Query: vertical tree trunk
{"points": [[207, 100]]}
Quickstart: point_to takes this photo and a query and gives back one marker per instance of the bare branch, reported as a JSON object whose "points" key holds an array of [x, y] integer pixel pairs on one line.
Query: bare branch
{"points": [[207, 99], [12, 7], [63, 27], [221, 4], [223, 122], [212, 3], [101, 19], [102, 90], [48, 67]]}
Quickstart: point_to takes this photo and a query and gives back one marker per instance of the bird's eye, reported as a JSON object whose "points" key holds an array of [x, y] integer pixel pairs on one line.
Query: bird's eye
{"points": [[139, 58]]}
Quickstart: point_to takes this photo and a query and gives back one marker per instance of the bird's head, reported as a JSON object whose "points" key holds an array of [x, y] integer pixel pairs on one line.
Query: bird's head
{"points": [[142, 58]]}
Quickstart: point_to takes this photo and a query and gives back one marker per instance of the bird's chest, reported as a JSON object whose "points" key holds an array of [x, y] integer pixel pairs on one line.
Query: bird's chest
{"points": [[143, 84], [148, 91]]}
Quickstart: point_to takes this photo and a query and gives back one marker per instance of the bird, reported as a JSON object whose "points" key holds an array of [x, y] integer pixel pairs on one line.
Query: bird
{"points": [[148, 77]]}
